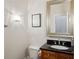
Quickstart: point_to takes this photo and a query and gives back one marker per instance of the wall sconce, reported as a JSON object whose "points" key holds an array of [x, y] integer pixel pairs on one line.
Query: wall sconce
{"points": [[16, 19]]}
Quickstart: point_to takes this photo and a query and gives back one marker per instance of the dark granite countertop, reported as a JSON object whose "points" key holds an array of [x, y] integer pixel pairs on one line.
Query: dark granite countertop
{"points": [[48, 48]]}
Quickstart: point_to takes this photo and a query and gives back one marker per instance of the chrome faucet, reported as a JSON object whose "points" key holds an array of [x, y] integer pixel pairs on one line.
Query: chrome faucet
{"points": [[63, 43], [54, 42]]}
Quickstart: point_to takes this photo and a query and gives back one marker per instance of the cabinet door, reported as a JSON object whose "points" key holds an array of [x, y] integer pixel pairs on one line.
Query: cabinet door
{"points": [[71, 57], [47, 55], [44, 54], [52, 55], [63, 56]]}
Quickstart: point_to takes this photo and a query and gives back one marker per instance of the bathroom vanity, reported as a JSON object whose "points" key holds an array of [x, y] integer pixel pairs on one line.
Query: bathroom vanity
{"points": [[59, 24], [52, 53], [45, 54]]}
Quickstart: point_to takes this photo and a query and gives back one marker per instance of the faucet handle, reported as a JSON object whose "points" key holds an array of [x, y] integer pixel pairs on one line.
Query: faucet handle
{"points": [[59, 42]]}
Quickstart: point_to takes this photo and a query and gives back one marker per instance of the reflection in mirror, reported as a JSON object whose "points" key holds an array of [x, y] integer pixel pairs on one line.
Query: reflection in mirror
{"points": [[60, 24]]}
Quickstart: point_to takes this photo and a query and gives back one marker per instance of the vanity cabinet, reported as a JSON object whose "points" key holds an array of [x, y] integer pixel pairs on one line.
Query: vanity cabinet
{"points": [[55, 55]]}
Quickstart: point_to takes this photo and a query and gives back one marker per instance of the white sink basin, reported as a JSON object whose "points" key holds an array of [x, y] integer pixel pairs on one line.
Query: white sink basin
{"points": [[59, 47]]}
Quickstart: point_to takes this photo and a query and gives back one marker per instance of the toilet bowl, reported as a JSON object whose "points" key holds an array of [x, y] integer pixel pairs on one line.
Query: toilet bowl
{"points": [[33, 52]]}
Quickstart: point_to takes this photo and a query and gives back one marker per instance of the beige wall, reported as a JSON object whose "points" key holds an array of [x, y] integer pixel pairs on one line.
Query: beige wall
{"points": [[16, 35], [38, 35]]}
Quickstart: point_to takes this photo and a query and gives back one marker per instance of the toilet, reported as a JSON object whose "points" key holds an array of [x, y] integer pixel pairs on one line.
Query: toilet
{"points": [[33, 52]]}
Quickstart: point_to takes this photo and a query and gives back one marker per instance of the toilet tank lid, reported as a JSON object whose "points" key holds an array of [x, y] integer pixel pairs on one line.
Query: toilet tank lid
{"points": [[34, 48]]}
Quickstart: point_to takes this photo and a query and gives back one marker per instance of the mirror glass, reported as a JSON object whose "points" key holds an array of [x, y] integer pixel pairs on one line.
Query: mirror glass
{"points": [[59, 18]]}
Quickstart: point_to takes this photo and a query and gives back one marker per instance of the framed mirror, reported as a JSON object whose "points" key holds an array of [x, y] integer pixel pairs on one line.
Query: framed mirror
{"points": [[60, 18]]}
